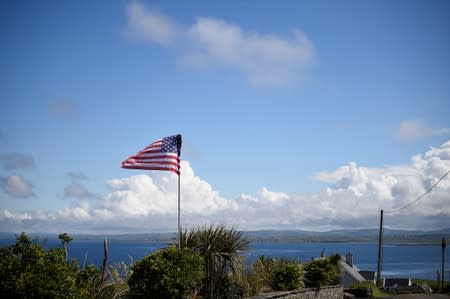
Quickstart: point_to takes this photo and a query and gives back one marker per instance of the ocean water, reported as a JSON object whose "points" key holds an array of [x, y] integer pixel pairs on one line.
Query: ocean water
{"points": [[399, 261], [415, 261]]}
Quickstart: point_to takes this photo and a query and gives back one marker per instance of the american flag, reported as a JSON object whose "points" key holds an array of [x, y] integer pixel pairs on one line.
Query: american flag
{"points": [[162, 154]]}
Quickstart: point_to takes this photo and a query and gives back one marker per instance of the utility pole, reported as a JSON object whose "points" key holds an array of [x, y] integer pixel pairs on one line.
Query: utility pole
{"points": [[441, 285], [380, 250]]}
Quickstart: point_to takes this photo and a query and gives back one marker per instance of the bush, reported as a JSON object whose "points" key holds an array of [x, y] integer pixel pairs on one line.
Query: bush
{"points": [[221, 250], [167, 273], [28, 270], [323, 272], [288, 277], [270, 274], [228, 289]]}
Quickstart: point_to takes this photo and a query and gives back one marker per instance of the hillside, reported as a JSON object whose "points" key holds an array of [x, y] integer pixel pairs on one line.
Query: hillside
{"points": [[398, 237]]}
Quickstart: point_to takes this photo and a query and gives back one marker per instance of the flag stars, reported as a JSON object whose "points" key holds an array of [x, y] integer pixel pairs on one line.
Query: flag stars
{"points": [[169, 144]]}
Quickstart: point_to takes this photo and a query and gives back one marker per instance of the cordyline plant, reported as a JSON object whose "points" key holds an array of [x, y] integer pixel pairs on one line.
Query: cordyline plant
{"points": [[221, 249]]}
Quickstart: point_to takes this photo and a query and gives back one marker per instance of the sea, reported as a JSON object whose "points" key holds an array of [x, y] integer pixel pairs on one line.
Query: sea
{"points": [[399, 261]]}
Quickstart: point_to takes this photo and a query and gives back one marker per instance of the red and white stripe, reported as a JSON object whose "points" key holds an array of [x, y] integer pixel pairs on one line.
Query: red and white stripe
{"points": [[151, 158]]}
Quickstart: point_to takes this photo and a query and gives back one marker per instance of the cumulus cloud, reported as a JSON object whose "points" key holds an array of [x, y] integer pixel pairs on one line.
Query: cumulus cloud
{"points": [[16, 186], [415, 129], [265, 59], [353, 198], [13, 161]]}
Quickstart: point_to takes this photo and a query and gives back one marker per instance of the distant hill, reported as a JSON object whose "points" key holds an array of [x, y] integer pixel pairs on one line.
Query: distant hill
{"points": [[391, 236]]}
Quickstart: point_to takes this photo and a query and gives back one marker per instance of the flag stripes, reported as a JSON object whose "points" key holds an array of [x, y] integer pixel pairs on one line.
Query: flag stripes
{"points": [[162, 154]]}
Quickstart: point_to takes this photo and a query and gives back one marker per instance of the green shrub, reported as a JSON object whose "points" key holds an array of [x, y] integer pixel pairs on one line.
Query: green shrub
{"points": [[167, 273], [271, 274], [28, 270], [228, 289], [323, 272], [221, 250], [288, 277]]}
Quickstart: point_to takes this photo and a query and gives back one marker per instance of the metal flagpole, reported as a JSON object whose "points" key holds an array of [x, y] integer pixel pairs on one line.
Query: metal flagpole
{"points": [[179, 142], [162, 158], [179, 225]]}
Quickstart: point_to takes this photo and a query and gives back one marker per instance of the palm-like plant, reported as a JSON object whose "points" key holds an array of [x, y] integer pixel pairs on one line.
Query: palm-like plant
{"points": [[221, 249], [65, 239]]}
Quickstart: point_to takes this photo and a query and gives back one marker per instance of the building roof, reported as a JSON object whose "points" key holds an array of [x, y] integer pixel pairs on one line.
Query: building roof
{"points": [[401, 282], [368, 275], [352, 271]]}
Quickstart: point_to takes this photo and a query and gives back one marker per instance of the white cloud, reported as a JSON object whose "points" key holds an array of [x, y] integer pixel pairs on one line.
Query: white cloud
{"points": [[415, 129], [149, 25], [16, 186], [266, 59], [142, 203], [7, 215]]}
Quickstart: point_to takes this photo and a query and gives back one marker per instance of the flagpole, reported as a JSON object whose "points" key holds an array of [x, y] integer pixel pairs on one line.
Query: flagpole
{"points": [[179, 225], [179, 141], [162, 158]]}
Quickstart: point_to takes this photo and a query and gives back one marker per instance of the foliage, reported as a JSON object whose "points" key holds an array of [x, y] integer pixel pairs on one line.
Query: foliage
{"points": [[279, 274], [117, 280], [167, 273], [28, 270], [229, 288], [221, 248], [288, 277], [322, 272], [114, 286], [271, 274], [434, 284], [246, 279], [65, 239]]}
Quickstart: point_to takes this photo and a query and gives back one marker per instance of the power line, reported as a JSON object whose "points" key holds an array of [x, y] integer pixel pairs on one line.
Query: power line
{"points": [[421, 196]]}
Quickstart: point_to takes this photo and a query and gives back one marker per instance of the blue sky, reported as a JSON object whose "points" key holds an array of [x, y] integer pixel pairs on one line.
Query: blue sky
{"points": [[314, 103]]}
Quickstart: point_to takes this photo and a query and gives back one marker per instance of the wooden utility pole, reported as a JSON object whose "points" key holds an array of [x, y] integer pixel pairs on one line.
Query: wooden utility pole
{"points": [[380, 251]]}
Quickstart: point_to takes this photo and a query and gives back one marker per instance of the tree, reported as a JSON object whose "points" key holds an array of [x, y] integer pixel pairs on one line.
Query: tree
{"points": [[65, 239], [28, 270], [167, 273], [324, 271], [221, 249]]}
